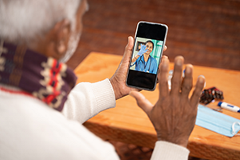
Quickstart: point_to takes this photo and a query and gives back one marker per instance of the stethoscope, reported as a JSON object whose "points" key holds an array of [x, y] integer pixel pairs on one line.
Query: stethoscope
{"points": [[147, 63]]}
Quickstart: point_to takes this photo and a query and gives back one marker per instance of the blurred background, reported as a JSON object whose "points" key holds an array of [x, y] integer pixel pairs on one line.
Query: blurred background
{"points": [[205, 32]]}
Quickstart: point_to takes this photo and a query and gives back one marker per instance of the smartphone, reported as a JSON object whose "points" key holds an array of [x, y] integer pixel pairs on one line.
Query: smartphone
{"points": [[146, 55]]}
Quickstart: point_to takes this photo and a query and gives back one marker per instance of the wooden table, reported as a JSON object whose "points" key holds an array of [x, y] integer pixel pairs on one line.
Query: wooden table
{"points": [[128, 123]]}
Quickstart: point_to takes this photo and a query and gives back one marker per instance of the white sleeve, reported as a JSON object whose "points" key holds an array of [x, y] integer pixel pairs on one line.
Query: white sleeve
{"points": [[88, 99], [168, 151]]}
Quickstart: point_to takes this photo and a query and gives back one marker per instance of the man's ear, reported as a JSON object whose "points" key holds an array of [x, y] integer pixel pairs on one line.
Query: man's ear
{"points": [[60, 35]]}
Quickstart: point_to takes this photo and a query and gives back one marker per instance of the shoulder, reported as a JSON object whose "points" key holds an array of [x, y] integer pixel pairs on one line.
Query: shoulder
{"points": [[45, 132], [153, 59]]}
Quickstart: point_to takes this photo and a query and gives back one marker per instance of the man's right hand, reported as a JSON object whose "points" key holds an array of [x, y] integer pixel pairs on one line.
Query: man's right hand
{"points": [[174, 114]]}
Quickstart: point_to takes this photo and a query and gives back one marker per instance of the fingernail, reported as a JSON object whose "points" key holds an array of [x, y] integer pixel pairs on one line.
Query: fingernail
{"points": [[188, 68], [201, 80], [178, 61], [165, 57], [201, 76], [129, 38]]}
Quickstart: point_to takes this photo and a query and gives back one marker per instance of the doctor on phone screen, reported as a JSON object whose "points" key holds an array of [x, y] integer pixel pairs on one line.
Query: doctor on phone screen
{"points": [[143, 61]]}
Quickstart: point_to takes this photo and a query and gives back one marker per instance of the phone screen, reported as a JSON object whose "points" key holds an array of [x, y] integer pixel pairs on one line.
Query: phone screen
{"points": [[146, 56]]}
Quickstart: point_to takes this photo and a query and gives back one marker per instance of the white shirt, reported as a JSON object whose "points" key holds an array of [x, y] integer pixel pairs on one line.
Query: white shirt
{"points": [[29, 129]]}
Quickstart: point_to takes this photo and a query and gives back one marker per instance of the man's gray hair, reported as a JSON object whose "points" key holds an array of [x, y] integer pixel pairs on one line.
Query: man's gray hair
{"points": [[22, 20]]}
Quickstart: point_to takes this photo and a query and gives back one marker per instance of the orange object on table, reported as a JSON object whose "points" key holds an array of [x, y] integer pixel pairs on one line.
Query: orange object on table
{"points": [[128, 123]]}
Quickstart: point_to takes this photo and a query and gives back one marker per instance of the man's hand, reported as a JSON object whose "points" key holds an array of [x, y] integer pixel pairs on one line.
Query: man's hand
{"points": [[118, 80], [174, 114]]}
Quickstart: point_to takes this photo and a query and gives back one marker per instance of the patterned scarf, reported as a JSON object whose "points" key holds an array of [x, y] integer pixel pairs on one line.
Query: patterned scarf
{"points": [[43, 77]]}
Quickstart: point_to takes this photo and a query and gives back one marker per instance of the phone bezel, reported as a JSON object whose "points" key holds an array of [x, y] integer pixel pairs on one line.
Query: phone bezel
{"points": [[164, 41]]}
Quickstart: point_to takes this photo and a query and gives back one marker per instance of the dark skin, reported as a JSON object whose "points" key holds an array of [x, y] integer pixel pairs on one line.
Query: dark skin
{"points": [[118, 80], [55, 42], [174, 114]]}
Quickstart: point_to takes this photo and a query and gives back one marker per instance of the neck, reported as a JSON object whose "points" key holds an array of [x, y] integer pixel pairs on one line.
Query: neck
{"points": [[146, 57], [50, 80]]}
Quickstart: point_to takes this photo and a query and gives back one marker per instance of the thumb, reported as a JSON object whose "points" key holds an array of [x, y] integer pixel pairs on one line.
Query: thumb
{"points": [[165, 48], [128, 50], [130, 44], [142, 101]]}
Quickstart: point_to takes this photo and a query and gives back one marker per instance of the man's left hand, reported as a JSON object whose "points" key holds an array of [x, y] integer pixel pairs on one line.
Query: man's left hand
{"points": [[118, 80]]}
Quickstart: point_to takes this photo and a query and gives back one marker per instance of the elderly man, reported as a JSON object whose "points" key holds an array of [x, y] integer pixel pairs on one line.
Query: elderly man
{"points": [[41, 109]]}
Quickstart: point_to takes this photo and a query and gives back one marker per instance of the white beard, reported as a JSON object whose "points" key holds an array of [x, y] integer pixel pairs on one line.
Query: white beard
{"points": [[72, 46]]}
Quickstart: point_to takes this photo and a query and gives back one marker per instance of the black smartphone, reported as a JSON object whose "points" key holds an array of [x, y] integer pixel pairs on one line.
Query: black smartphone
{"points": [[147, 52]]}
